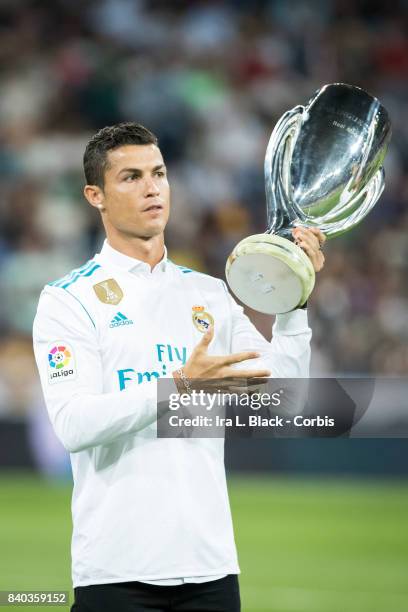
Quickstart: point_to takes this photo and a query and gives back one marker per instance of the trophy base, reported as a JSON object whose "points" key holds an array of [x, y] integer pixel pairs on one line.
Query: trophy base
{"points": [[270, 274]]}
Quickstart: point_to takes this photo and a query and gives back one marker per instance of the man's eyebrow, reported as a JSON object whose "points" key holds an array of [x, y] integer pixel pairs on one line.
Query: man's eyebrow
{"points": [[139, 171], [130, 170]]}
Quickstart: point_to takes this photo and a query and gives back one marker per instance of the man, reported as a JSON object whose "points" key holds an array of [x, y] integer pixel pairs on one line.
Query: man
{"points": [[151, 521]]}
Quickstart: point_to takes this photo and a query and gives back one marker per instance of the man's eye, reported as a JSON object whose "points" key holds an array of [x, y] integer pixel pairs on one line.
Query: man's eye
{"points": [[131, 177], [160, 173]]}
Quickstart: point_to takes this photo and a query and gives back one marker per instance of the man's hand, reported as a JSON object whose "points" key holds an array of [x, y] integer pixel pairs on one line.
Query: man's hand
{"points": [[311, 240], [205, 366]]}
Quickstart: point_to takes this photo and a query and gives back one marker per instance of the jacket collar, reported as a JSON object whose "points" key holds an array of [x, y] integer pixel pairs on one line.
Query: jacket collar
{"points": [[112, 256]]}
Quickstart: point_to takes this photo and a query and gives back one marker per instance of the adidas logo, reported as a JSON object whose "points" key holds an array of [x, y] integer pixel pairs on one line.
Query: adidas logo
{"points": [[120, 319]]}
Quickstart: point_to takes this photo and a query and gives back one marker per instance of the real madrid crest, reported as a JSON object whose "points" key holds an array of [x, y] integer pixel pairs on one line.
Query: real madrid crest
{"points": [[202, 319], [108, 291]]}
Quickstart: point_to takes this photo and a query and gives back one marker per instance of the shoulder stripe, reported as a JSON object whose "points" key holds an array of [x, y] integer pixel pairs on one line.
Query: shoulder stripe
{"points": [[71, 274], [81, 275], [184, 269], [76, 273]]}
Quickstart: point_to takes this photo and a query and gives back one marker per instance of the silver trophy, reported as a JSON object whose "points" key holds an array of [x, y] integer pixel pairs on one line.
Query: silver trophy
{"points": [[323, 168]]}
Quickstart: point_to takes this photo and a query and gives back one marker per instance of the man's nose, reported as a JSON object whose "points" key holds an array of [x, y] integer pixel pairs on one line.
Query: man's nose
{"points": [[151, 187]]}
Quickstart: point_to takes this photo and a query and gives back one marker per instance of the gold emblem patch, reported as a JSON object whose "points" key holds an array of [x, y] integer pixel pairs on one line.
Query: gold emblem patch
{"points": [[108, 291], [202, 319]]}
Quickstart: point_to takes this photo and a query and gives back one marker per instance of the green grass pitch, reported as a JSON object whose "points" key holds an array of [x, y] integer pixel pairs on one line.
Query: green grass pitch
{"points": [[305, 545]]}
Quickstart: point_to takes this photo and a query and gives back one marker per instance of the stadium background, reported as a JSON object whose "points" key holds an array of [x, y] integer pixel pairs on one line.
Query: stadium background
{"points": [[320, 524]]}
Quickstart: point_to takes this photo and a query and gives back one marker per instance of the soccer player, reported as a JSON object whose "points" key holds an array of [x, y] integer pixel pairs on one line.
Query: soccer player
{"points": [[152, 528]]}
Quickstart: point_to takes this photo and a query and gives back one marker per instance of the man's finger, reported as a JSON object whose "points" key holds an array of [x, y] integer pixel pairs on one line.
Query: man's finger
{"points": [[238, 357], [309, 233], [320, 262], [207, 337], [214, 383], [308, 237], [319, 235], [311, 249], [247, 373], [316, 257]]}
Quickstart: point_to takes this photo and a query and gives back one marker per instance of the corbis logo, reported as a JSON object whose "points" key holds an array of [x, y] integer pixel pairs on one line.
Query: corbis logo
{"points": [[60, 362]]}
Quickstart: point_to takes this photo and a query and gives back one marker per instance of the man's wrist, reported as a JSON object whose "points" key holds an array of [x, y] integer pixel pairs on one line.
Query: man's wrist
{"points": [[182, 382]]}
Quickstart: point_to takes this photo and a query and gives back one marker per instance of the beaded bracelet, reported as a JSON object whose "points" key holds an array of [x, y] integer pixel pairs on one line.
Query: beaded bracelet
{"points": [[185, 380]]}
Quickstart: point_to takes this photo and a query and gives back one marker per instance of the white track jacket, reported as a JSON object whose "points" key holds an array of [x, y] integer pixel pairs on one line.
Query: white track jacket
{"points": [[144, 508]]}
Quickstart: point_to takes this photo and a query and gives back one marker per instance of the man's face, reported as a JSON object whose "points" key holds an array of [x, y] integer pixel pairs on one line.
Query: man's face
{"points": [[136, 194]]}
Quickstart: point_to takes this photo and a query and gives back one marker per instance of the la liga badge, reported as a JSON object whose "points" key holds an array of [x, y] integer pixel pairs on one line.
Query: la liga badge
{"points": [[61, 362]]}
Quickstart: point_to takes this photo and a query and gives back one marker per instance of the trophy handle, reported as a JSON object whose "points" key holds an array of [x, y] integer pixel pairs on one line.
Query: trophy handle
{"points": [[343, 219], [278, 205]]}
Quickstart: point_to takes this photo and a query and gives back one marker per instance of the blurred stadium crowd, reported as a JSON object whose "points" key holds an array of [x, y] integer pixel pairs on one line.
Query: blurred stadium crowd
{"points": [[211, 79]]}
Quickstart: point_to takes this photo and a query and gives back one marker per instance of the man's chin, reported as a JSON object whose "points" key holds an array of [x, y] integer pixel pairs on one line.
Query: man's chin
{"points": [[145, 233]]}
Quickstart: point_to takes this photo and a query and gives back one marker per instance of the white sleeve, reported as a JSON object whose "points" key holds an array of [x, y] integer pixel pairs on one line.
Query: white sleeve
{"points": [[288, 353], [82, 415]]}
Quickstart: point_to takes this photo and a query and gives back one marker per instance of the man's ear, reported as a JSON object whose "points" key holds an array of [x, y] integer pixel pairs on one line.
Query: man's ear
{"points": [[95, 197]]}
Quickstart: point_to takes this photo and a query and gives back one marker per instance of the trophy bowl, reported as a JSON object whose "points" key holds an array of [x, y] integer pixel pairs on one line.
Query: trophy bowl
{"points": [[323, 168]]}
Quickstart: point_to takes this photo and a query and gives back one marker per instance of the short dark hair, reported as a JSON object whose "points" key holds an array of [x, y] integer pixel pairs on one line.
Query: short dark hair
{"points": [[108, 139]]}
